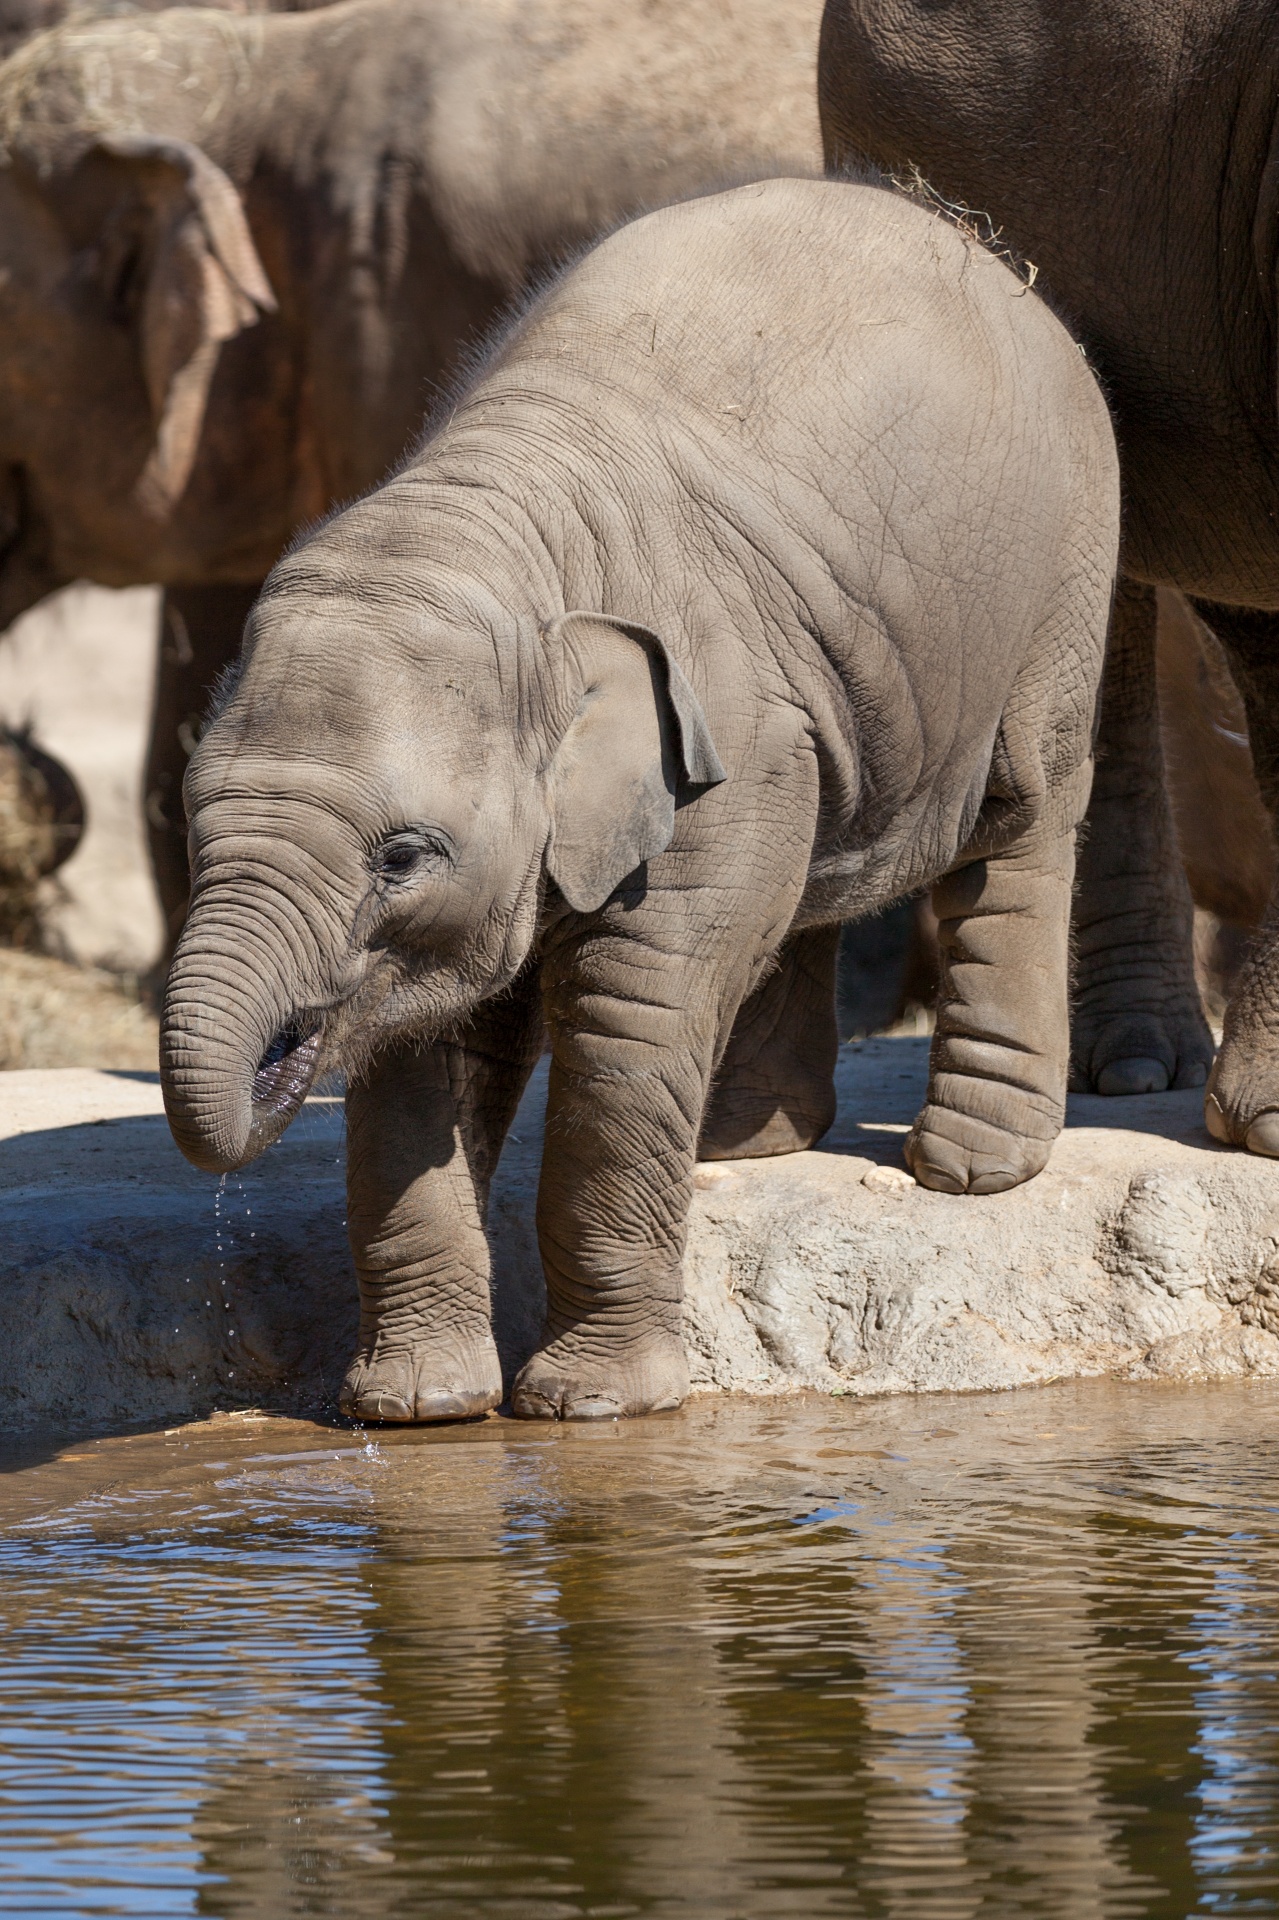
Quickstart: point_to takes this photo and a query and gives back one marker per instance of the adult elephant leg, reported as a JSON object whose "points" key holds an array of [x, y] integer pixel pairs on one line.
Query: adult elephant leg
{"points": [[1138, 1024], [200, 630], [997, 1071], [774, 1089], [1242, 1102], [425, 1129]]}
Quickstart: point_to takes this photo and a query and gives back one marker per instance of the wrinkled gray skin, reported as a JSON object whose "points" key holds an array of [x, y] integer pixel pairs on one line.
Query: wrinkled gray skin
{"points": [[239, 256], [1129, 148], [797, 479]]}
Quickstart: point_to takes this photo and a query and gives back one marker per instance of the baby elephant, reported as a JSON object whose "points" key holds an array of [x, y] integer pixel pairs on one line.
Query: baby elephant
{"points": [[761, 577]]}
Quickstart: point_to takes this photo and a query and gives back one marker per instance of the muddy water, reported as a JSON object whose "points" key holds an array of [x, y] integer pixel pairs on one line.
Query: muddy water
{"points": [[983, 1656]]}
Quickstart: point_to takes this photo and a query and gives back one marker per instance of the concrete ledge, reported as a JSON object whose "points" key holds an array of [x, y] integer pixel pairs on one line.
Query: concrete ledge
{"points": [[133, 1288]]}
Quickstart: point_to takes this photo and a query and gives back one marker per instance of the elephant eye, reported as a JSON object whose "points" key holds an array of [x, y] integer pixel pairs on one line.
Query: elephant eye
{"points": [[408, 851]]}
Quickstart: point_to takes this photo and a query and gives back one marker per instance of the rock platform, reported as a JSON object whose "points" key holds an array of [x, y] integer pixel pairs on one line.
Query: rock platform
{"points": [[133, 1289]]}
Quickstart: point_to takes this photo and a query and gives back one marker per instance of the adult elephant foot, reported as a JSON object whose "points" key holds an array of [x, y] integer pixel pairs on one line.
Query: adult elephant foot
{"points": [[1121, 1049], [585, 1374], [1241, 1106], [1138, 1025], [775, 1088], [455, 1380]]}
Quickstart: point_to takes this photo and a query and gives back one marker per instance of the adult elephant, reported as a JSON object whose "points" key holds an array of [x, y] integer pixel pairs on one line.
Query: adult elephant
{"points": [[240, 255], [1128, 149]]}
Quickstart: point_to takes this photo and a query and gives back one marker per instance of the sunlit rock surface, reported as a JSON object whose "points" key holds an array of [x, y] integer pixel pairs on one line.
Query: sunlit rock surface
{"points": [[134, 1288]]}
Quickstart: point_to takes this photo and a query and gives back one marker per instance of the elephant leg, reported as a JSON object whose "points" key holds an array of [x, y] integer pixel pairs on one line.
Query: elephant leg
{"points": [[634, 1028], [200, 630], [424, 1131], [1241, 1106], [774, 1089], [640, 1001], [1138, 1024], [997, 1072]]}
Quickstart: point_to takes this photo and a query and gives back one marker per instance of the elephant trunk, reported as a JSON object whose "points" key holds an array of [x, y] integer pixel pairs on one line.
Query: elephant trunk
{"points": [[237, 1052]]}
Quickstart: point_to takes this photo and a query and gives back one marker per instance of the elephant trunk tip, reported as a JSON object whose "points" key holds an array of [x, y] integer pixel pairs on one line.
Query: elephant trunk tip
{"points": [[224, 1113]]}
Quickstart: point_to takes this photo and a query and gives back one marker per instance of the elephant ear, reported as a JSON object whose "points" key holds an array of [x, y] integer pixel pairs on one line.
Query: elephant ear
{"points": [[637, 734], [181, 266]]}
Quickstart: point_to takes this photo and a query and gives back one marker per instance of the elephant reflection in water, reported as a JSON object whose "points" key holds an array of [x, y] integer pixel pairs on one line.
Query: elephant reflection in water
{"points": [[1080, 1728], [279, 1839], [683, 1679], [292, 1817], [960, 1764], [557, 1733], [1038, 1819], [1185, 1733]]}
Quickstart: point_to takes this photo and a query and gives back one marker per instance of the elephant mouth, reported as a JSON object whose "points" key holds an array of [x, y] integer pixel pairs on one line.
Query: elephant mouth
{"points": [[286, 1070]]}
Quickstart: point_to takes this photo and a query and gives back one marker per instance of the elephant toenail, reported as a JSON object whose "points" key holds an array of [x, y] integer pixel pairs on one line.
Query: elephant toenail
{"points": [[1263, 1135], [1215, 1119], [448, 1406], [598, 1407], [937, 1178], [1138, 1075], [389, 1406], [997, 1181], [527, 1405]]}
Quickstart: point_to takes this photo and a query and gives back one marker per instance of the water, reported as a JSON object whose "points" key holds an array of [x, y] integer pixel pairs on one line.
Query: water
{"points": [[982, 1656]]}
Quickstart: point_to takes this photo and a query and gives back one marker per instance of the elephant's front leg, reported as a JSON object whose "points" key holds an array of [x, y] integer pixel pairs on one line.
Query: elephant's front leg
{"points": [[1138, 1024], [633, 1036], [424, 1133], [997, 1080], [1241, 1106]]}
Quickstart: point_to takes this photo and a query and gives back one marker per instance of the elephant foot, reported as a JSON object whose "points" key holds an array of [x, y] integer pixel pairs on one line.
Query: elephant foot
{"points": [[745, 1124], [1241, 1104], [420, 1384], [579, 1376], [954, 1152], [1131, 1050]]}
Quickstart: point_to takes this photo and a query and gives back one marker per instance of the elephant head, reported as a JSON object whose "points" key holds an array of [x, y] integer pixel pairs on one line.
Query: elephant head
{"points": [[127, 266], [399, 777]]}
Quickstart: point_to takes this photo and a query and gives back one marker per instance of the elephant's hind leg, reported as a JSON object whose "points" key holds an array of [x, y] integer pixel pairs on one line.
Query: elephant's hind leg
{"points": [[774, 1091], [1138, 1024], [997, 1075]]}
